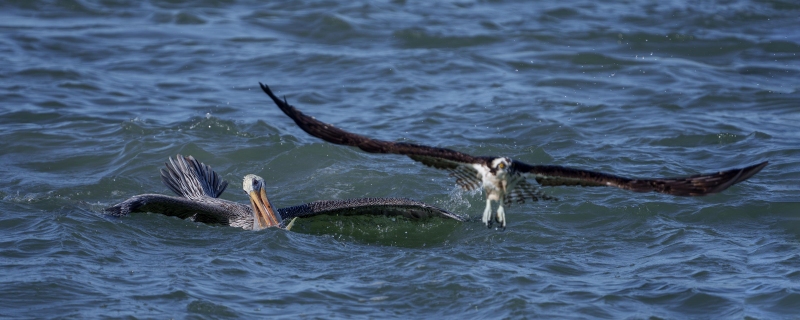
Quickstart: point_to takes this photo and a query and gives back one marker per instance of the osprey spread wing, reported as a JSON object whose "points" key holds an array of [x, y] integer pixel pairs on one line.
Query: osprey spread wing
{"points": [[503, 179]]}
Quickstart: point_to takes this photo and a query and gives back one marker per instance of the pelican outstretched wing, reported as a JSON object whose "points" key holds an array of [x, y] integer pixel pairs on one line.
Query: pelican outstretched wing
{"points": [[368, 206], [181, 207]]}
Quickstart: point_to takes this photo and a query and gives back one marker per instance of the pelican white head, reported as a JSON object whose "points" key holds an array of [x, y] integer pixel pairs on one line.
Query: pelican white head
{"points": [[264, 215]]}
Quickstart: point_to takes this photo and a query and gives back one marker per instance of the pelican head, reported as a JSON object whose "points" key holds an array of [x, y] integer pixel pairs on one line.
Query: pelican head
{"points": [[264, 216]]}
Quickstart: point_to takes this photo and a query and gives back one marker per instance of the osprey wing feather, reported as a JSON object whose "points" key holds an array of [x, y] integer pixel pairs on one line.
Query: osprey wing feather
{"points": [[435, 157], [503, 179]]}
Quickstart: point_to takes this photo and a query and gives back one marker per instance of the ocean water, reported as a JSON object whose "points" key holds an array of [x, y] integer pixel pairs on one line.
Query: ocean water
{"points": [[95, 95]]}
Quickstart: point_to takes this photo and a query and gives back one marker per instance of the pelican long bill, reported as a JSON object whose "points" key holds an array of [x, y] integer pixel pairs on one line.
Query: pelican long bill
{"points": [[264, 214]]}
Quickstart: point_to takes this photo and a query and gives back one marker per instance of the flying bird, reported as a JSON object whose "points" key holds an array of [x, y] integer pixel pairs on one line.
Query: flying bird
{"points": [[199, 187], [503, 179]]}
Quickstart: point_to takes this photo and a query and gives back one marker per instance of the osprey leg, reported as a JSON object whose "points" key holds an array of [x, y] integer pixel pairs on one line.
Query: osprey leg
{"points": [[501, 216], [487, 214]]}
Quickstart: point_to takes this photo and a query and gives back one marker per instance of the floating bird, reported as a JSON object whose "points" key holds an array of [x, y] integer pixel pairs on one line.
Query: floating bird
{"points": [[199, 187], [504, 180]]}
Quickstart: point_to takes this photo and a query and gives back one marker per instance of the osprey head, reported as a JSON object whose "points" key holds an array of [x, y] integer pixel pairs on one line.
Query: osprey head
{"points": [[500, 166]]}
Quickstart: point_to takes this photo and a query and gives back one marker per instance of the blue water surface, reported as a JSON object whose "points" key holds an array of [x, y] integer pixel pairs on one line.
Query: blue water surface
{"points": [[95, 95]]}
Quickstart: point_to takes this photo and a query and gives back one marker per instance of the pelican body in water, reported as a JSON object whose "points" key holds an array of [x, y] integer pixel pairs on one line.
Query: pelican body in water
{"points": [[199, 187]]}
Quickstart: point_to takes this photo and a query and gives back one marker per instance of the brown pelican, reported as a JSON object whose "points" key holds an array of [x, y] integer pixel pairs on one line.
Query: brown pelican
{"points": [[504, 180], [199, 187]]}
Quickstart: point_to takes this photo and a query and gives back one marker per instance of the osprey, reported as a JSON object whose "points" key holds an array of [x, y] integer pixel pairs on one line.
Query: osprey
{"points": [[503, 179]]}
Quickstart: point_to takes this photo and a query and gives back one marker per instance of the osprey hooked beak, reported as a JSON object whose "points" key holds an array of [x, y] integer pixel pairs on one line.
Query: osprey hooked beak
{"points": [[264, 215], [500, 165]]}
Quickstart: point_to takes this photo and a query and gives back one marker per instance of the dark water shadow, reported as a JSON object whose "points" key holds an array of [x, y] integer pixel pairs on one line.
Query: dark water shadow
{"points": [[381, 230]]}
